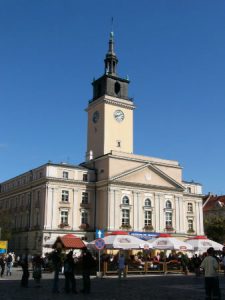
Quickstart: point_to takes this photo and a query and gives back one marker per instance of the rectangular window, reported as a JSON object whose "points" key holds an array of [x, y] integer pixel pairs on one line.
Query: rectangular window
{"points": [[168, 219], [65, 175], [190, 207], [37, 218], [28, 220], [190, 225], [84, 217], [148, 217], [64, 217], [118, 144], [84, 198], [125, 217], [65, 196], [85, 177]]}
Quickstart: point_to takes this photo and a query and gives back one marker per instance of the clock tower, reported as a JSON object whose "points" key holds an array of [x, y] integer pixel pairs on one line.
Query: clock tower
{"points": [[110, 112]]}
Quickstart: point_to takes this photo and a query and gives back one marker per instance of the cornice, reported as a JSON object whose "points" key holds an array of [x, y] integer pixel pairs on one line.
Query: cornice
{"points": [[144, 186], [113, 101]]}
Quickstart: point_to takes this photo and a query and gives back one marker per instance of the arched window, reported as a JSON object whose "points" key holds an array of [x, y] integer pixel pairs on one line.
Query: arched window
{"points": [[168, 204], [117, 88], [190, 207], [125, 200], [188, 189], [148, 202]]}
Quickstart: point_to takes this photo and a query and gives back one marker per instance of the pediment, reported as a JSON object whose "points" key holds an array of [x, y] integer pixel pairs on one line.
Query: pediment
{"points": [[148, 175]]}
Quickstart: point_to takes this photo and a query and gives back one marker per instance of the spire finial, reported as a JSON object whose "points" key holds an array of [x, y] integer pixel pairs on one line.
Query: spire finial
{"points": [[112, 25], [111, 59]]}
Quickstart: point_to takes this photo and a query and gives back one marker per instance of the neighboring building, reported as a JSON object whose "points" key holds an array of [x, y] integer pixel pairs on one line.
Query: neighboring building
{"points": [[113, 189], [214, 205]]}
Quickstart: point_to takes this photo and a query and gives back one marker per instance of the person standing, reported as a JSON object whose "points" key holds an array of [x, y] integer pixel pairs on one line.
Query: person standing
{"points": [[37, 269], [223, 261], [57, 266], [9, 263], [121, 266], [210, 266], [2, 264], [24, 265], [88, 263], [69, 272]]}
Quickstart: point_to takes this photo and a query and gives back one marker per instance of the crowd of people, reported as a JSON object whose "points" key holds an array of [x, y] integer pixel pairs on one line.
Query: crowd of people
{"points": [[6, 263], [189, 263], [55, 261], [69, 264]]}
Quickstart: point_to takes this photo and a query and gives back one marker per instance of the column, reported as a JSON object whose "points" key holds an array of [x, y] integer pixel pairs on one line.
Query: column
{"points": [[177, 213], [45, 217], [75, 210], [157, 212], [52, 207], [110, 209], [182, 214], [116, 209], [161, 212], [201, 219], [197, 217]]}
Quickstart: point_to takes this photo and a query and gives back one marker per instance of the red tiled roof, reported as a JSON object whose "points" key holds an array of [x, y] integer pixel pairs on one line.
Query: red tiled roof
{"points": [[70, 241], [213, 203]]}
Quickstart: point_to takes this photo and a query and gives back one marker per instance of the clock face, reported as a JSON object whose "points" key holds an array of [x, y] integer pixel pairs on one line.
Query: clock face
{"points": [[119, 115], [95, 116]]}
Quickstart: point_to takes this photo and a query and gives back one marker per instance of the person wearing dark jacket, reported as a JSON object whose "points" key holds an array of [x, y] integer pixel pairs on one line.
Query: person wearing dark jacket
{"points": [[24, 265], [2, 264], [69, 272], [88, 263]]}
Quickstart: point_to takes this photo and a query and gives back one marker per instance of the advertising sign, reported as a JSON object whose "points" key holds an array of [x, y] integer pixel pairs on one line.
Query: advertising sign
{"points": [[3, 246]]}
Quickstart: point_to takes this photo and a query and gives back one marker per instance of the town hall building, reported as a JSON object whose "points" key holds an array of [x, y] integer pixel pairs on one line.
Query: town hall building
{"points": [[114, 189]]}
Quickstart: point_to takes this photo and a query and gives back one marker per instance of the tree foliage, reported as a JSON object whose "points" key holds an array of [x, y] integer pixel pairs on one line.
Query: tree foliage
{"points": [[215, 228]]}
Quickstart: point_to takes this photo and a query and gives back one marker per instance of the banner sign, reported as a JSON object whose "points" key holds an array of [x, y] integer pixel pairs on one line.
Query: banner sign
{"points": [[144, 235]]}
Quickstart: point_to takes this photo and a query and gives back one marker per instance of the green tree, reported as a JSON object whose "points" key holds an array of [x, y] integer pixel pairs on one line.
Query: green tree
{"points": [[215, 228]]}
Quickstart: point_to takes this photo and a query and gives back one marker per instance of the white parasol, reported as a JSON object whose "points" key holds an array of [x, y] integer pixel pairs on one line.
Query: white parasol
{"points": [[124, 242], [169, 243], [202, 243]]}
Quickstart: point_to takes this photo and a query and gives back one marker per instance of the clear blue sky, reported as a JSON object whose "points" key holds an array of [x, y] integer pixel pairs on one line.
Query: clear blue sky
{"points": [[172, 50]]}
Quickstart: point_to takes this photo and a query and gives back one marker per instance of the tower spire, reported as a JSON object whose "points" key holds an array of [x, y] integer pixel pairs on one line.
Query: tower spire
{"points": [[110, 58]]}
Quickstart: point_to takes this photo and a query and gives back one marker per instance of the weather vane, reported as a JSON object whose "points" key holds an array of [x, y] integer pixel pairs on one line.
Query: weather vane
{"points": [[112, 24]]}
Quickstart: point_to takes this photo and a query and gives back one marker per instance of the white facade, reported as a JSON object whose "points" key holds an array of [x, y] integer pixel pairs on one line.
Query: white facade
{"points": [[113, 190]]}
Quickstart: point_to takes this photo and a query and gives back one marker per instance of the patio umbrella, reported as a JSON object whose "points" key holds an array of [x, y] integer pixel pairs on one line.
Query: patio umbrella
{"points": [[168, 242], [122, 242], [201, 243]]}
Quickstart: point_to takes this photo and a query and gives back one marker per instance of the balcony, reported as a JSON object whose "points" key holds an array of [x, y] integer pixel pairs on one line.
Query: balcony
{"points": [[169, 228], [85, 205], [84, 226], [125, 227], [191, 231], [148, 228], [63, 225]]}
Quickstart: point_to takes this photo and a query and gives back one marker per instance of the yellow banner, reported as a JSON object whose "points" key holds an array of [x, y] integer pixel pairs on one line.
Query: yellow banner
{"points": [[3, 244]]}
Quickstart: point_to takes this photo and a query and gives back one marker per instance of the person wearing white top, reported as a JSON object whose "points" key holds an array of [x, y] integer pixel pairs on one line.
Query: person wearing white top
{"points": [[211, 266]]}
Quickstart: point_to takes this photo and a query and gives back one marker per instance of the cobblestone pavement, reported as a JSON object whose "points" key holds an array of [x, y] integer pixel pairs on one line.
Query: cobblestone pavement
{"points": [[156, 287]]}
